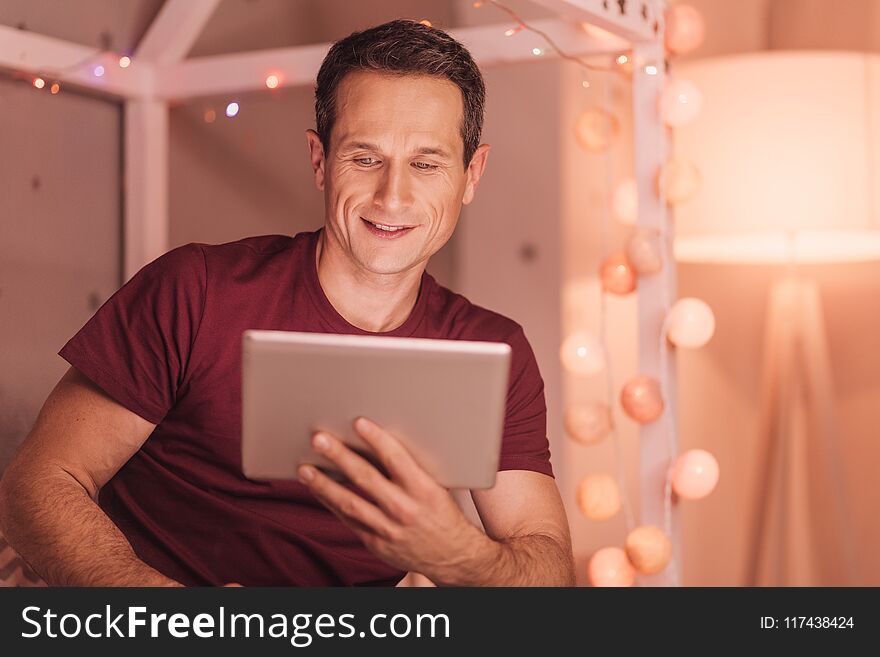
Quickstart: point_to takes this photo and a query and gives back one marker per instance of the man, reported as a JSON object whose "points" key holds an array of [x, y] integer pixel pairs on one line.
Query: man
{"points": [[132, 472]]}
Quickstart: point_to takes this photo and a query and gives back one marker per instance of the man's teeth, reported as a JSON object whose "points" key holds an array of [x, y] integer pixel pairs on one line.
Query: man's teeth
{"points": [[388, 228]]}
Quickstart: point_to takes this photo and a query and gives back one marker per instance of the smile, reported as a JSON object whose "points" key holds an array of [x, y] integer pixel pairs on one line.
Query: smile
{"points": [[385, 231]]}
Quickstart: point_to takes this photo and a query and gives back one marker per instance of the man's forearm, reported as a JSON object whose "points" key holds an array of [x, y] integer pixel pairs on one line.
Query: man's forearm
{"points": [[50, 520], [532, 560]]}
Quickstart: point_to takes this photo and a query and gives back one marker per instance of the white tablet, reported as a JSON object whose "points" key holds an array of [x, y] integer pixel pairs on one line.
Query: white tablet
{"points": [[444, 399]]}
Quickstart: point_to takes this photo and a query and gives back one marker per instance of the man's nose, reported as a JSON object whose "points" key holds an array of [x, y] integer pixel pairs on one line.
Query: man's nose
{"points": [[394, 190]]}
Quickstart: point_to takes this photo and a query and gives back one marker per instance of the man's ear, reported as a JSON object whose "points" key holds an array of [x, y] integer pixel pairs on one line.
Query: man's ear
{"points": [[475, 172], [316, 154]]}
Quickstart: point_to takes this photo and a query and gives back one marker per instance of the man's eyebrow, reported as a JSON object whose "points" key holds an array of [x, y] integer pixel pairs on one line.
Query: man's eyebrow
{"points": [[358, 146], [424, 150], [431, 150]]}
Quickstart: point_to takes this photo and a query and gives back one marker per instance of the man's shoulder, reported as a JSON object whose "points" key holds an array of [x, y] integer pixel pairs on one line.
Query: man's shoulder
{"points": [[255, 245], [456, 315]]}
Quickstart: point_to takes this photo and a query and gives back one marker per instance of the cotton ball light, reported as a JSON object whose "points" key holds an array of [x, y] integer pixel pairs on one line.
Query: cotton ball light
{"points": [[609, 566], [685, 29], [617, 274], [680, 103], [641, 399], [598, 496], [625, 202], [648, 549], [644, 251], [596, 129], [683, 181], [588, 423], [582, 353], [694, 474], [690, 323]]}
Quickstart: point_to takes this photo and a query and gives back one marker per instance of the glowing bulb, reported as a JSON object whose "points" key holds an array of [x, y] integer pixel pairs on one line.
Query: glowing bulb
{"points": [[598, 496], [98, 71], [124, 61], [272, 81], [650, 69], [55, 88], [596, 129], [537, 52], [610, 567], [582, 353], [585, 84], [512, 30], [39, 83], [694, 474], [426, 22], [685, 29], [210, 116], [680, 103], [690, 323], [649, 550], [478, 4], [623, 59], [232, 109]]}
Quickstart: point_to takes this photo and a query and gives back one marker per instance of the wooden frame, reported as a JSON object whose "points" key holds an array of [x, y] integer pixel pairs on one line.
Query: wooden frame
{"points": [[159, 73]]}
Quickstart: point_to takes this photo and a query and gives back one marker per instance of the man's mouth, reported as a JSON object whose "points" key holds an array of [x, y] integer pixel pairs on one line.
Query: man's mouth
{"points": [[387, 231]]}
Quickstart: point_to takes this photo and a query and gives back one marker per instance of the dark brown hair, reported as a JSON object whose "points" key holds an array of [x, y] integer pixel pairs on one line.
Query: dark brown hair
{"points": [[403, 47]]}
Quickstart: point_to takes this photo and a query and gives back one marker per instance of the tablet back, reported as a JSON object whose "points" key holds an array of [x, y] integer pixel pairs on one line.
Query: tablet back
{"points": [[444, 399]]}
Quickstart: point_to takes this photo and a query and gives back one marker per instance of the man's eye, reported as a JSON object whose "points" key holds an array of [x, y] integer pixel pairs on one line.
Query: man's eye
{"points": [[366, 161], [425, 166]]}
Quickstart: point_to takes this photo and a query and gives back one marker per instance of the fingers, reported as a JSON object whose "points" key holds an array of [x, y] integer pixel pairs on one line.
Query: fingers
{"points": [[346, 504], [393, 456], [364, 475]]}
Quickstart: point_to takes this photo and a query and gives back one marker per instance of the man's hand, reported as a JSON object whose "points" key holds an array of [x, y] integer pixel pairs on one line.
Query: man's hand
{"points": [[412, 522]]}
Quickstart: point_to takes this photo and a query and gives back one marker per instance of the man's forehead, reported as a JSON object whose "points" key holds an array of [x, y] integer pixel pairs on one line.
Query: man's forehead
{"points": [[421, 113]]}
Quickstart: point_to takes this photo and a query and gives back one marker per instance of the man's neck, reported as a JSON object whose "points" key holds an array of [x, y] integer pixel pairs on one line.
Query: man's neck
{"points": [[371, 302]]}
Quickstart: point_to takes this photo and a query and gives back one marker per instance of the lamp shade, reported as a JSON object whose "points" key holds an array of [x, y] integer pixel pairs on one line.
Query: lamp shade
{"points": [[784, 143]]}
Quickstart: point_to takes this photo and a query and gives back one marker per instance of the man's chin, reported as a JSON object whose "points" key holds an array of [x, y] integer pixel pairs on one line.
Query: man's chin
{"points": [[387, 264]]}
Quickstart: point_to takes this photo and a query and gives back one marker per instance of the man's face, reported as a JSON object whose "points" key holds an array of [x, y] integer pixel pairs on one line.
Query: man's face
{"points": [[394, 160]]}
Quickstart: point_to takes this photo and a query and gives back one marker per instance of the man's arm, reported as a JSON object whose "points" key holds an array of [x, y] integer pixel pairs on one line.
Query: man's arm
{"points": [[524, 515], [415, 524], [47, 495]]}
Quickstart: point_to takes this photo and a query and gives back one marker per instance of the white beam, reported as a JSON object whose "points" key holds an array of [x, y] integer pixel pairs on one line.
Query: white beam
{"points": [[634, 22], [244, 72], [145, 220], [72, 63], [656, 293], [175, 30]]}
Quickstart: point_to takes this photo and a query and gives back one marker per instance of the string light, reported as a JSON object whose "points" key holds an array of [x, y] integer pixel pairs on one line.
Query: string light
{"points": [[39, 83], [478, 4], [124, 61], [623, 59], [426, 22], [210, 116], [232, 109], [98, 71], [272, 81], [523, 25], [650, 69], [55, 88], [537, 52]]}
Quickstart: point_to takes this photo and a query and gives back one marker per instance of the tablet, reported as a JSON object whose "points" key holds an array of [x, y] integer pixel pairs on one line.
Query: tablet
{"points": [[444, 399]]}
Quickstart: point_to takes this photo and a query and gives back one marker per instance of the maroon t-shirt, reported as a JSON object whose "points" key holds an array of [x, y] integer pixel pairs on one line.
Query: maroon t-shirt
{"points": [[167, 346]]}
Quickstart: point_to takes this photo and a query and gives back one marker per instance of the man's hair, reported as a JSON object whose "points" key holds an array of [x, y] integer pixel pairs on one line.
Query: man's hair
{"points": [[403, 47]]}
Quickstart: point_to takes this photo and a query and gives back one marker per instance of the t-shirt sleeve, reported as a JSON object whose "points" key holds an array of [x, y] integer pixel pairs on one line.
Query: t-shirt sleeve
{"points": [[524, 445], [136, 347]]}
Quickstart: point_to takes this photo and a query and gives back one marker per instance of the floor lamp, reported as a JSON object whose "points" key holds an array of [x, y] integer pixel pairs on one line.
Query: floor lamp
{"points": [[788, 146], [797, 428]]}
